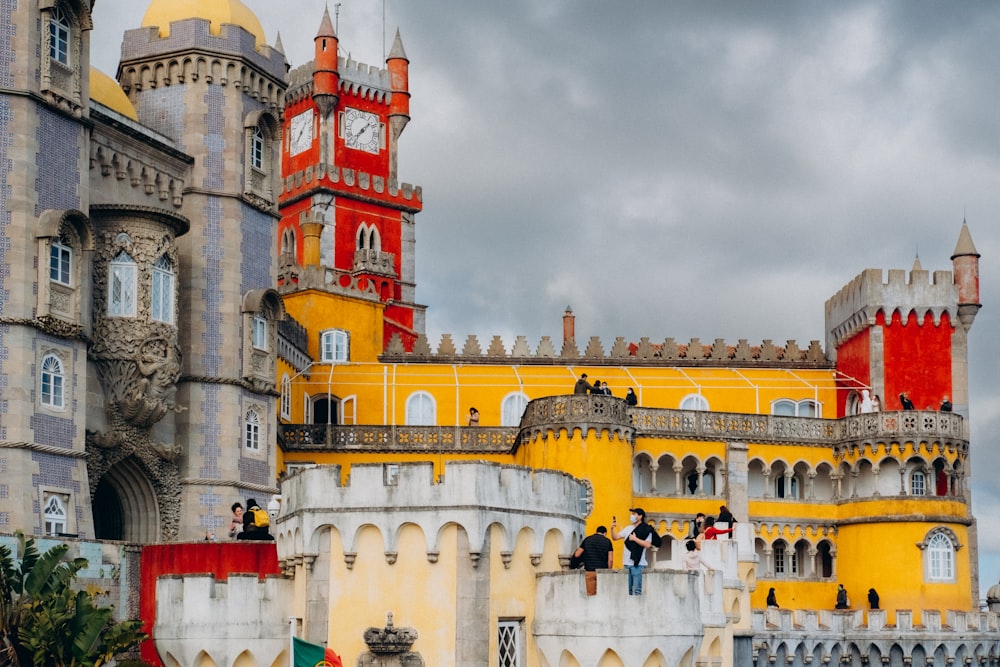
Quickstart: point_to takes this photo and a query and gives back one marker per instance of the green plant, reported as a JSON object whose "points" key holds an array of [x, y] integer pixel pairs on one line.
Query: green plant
{"points": [[45, 622]]}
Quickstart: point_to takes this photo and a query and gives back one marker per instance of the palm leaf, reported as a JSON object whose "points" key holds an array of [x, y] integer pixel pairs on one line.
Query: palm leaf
{"points": [[39, 579]]}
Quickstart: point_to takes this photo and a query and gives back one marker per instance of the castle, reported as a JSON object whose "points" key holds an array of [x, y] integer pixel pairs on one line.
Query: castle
{"points": [[211, 296]]}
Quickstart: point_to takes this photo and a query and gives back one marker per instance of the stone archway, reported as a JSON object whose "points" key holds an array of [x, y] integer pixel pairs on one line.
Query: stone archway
{"points": [[125, 505], [136, 493]]}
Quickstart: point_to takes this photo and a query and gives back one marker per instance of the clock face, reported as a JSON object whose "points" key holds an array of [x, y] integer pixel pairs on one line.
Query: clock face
{"points": [[302, 132], [361, 130]]}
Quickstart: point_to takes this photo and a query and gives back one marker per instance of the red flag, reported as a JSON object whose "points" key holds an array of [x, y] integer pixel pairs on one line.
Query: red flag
{"points": [[305, 654]]}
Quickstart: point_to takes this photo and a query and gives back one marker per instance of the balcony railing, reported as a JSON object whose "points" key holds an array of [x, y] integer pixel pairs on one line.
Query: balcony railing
{"points": [[323, 437], [584, 411]]}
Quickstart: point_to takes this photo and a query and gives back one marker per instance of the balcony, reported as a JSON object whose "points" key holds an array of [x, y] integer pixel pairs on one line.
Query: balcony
{"points": [[374, 262], [324, 437]]}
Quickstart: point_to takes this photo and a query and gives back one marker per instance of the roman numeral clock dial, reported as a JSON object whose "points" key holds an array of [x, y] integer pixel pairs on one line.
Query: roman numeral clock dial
{"points": [[361, 130]]}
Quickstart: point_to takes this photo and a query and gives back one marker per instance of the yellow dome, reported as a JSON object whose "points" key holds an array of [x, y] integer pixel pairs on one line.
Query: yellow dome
{"points": [[161, 12], [106, 90]]}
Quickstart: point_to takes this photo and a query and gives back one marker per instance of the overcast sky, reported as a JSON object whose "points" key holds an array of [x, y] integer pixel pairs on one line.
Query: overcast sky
{"points": [[696, 169]]}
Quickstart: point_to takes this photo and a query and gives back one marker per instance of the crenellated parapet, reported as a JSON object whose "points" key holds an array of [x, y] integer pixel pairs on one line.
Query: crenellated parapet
{"points": [[472, 495], [799, 637], [404, 196], [857, 304], [191, 52], [227, 621], [369, 82], [583, 412], [643, 353]]}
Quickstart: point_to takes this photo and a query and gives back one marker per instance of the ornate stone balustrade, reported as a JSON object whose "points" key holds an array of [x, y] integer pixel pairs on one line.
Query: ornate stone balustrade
{"points": [[321, 437], [611, 414]]}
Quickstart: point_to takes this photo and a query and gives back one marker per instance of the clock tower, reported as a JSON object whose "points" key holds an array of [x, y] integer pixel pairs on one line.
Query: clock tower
{"points": [[347, 224]]}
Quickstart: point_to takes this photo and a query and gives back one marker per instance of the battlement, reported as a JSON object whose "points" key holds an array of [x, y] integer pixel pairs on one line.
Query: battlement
{"points": [[645, 352], [473, 494], [197, 613], [406, 197], [856, 305], [195, 34], [369, 82]]}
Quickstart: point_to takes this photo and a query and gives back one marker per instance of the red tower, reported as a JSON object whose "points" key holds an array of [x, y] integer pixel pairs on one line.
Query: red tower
{"points": [[342, 121], [908, 334]]}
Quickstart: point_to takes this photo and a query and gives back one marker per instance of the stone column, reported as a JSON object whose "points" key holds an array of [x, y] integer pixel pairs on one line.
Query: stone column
{"points": [[875, 473], [677, 478], [737, 487], [653, 467], [902, 480]]}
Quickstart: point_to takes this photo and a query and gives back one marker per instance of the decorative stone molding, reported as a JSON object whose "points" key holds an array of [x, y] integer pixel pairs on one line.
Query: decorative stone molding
{"points": [[390, 646]]}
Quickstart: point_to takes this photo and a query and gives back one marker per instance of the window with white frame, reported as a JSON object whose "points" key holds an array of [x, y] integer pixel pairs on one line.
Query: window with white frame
{"points": [[509, 643], [59, 36], [334, 346], [61, 263], [918, 483], [53, 382], [940, 558], [163, 291], [257, 149], [286, 397], [785, 407], [251, 435], [779, 558], [121, 286], [420, 409], [512, 409], [694, 402], [808, 408], [307, 409], [260, 332], [55, 514]]}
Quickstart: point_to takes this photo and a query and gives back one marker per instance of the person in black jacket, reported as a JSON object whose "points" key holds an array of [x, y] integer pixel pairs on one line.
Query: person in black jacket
{"points": [[597, 553], [251, 529]]}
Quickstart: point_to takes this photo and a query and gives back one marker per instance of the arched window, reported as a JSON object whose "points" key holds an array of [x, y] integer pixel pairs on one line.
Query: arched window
{"points": [[512, 408], [55, 515], [61, 262], [251, 435], [59, 35], [53, 382], [368, 238], [694, 402], [783, 407], [918, 483], [257, 149], [121, 286], [939, 557], [163, 290], [420, 409], [286, 397]]}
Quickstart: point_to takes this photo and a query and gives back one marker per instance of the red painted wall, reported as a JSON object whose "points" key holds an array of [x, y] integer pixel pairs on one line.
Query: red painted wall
{"points": [[216, 558], [917, 359], [854, 361]]}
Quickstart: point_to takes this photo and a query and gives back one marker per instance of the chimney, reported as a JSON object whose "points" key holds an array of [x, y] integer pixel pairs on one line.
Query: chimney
{"points": [[569, 325]]}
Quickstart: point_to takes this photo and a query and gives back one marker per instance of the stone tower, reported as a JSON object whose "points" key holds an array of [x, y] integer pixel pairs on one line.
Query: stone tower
{"points": [[46, 244], [346, 222], [211, 84]]}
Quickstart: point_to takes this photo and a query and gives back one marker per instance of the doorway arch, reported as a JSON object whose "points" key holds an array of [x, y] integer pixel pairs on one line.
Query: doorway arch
{"points": [[125, 505]]}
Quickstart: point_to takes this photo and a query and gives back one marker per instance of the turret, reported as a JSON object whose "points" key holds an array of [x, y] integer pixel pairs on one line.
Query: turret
{"points": [[326, 76], [399, 105], [965, 267]]}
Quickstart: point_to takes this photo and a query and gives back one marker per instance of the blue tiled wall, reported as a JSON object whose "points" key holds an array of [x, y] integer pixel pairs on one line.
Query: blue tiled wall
{"points": [[58, 159]]}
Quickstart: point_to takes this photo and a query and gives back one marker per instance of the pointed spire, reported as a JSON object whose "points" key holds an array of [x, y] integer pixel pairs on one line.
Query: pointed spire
{"points": [[965, 246], [326, 27], [916, 264], [397, 50], [278, 46]]}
